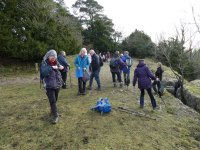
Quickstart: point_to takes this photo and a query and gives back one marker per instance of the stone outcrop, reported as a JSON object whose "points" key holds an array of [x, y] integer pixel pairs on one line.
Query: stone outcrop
{"points": [[191, 99]]}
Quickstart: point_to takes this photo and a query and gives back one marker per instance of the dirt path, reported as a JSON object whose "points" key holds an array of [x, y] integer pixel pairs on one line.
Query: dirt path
{"points": [[19, 80]]}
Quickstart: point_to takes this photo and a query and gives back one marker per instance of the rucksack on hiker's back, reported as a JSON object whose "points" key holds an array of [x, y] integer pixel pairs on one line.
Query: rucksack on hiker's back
{"points": [[102, 106], [113, 63], [129, 62]]}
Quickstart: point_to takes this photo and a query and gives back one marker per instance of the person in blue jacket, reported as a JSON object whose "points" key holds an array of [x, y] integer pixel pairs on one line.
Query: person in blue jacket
{"points": [[63, 61], [82, 64], [126, 70]]}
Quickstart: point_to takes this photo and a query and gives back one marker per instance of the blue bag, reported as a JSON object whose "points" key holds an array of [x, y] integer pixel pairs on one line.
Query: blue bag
{"points": [[103, 106]]}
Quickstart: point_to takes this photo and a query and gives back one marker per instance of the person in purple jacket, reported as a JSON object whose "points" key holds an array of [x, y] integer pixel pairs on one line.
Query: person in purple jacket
{"points": [[144, 76]]}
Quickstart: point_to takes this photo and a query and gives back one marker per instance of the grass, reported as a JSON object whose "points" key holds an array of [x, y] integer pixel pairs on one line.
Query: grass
{"points": [[24, 122]]}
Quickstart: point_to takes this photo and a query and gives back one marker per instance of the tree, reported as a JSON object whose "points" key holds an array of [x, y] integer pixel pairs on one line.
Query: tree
{"points": [[173, 53], [36, 26], [139, 44], [97, 28]]}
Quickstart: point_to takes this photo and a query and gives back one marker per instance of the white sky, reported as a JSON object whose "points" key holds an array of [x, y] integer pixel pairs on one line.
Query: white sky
{"points": [[154, 17]]}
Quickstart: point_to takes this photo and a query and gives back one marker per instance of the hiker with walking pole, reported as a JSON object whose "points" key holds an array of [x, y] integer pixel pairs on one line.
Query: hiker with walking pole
{"points": [[53, 81], [63, 61], [144, 76]]}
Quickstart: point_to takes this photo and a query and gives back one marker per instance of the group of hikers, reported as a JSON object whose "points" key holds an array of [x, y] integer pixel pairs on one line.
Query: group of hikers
{"points": [[88, 66]]}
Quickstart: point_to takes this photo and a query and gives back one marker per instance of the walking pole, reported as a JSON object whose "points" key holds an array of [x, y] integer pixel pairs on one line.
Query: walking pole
{"points": [[70, 78], [161, 98]]}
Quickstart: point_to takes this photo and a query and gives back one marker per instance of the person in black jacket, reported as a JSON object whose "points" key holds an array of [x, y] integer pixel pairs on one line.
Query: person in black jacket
{"points": [[63, 61], [158, 75], [95, 69]]}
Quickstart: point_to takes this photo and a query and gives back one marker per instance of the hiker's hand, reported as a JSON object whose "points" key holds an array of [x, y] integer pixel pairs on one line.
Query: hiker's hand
{"points": [[157, 79], [79, 68], [55, 67], [61, 67], [84, 69]]}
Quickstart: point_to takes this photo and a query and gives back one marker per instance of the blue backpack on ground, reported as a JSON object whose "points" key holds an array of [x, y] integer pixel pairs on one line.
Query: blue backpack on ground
{"points": [[102, 106]]}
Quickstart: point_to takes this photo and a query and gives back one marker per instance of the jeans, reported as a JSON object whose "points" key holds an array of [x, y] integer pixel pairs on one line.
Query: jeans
{"points": [[118, 76], [81, 85], [52, 95], [153, 101], [95, 74]]}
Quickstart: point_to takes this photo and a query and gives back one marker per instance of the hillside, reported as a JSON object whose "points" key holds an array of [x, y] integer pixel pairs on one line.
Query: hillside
{"points": [[24, 122]]}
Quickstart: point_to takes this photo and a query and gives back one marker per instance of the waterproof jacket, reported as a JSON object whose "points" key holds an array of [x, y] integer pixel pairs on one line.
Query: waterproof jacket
{"points": [[53, 78], [159, 73], [81, 62], [63, 61], [95, 63], [126, 69], [119, 62], [144, 76]]}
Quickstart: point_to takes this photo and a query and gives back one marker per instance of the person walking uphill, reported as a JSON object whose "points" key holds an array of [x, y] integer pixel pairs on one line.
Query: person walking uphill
{"points": [[63, 61], [82, 64], [144, 76], [95, 69], [52, 80], [115, 64]]}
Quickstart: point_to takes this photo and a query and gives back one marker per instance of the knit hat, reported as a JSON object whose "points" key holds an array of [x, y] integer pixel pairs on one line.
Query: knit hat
{"points": [[50, 53]]}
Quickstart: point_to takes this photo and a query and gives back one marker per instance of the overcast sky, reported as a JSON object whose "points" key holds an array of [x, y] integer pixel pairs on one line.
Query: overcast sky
{"points": [[154, 17]]}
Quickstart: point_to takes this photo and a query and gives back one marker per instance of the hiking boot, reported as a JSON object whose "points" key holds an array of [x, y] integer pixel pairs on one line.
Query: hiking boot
{"points": [[84, 93], [55, 119]]}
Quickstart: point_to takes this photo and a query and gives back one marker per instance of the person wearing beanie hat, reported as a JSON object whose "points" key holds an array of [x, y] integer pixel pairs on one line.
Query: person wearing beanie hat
{"points": [[52, 80], [144, 76]]}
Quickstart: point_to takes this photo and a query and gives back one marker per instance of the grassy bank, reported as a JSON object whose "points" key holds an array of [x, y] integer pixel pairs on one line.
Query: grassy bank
{"points": [[24, 113]]}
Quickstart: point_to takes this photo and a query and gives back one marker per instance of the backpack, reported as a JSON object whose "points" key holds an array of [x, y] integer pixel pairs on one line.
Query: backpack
{"points": [[113, 63], [102, 106], [100, 61], [129, 62]]}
